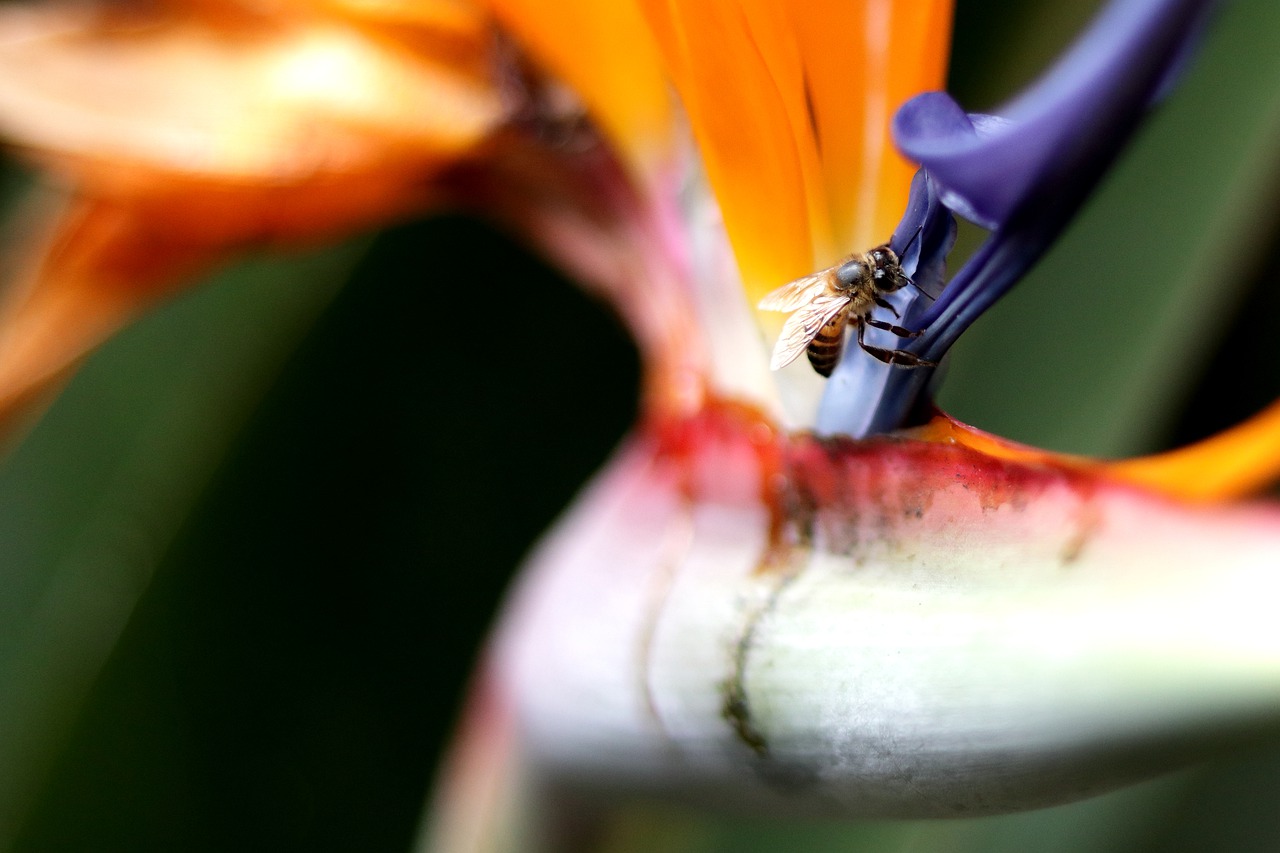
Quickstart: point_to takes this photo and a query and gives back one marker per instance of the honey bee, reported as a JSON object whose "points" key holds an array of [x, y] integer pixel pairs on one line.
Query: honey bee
{"points": [[826, 302]]}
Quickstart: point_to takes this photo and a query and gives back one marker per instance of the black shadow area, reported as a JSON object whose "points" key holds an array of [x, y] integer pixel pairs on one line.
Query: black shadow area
{"points": [[291, 676]]}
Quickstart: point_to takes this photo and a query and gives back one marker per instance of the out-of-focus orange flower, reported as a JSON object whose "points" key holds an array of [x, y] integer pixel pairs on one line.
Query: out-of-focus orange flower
{"points": [[179, 132]]}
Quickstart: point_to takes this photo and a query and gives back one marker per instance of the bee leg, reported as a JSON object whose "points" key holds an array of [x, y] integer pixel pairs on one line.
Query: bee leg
{"points": [[897, 356], [897, 330], [884, 303], [889, 356]]}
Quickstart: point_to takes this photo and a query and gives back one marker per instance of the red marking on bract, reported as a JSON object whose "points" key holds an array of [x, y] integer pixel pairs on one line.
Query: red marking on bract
{"points": [[730, 453]]}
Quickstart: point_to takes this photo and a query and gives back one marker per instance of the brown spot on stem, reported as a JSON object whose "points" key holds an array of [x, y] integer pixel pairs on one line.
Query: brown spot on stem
{"points": [[737, 714]]}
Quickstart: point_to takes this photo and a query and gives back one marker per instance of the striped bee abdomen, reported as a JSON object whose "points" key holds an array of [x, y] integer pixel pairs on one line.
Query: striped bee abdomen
{"points": [[825, 348]]}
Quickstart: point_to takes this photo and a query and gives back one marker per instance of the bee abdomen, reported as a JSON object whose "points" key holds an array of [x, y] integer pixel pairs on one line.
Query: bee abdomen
{"points": [[824, 350]]}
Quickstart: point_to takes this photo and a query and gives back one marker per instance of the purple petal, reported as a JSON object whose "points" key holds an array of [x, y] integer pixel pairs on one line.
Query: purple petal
{"points": [[1022, 174], [934, 130], [925, 235], [1059, 134]]}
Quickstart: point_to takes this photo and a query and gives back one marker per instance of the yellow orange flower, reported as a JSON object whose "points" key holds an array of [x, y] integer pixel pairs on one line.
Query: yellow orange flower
{"points": [[179, 133], [797, 149], [604, 52]]}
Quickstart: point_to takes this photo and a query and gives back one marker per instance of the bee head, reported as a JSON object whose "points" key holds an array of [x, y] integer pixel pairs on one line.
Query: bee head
{"points": [[886, 272]]}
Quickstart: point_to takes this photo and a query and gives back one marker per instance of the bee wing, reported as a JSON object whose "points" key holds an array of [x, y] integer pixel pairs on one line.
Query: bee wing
{"points": [[795, 294], [803, 326]]}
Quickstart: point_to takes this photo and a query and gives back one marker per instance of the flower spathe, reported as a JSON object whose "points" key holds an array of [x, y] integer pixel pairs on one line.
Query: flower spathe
{"points": [[883, 628]]}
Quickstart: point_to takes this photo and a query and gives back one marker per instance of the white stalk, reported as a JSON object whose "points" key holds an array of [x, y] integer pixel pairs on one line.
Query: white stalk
{"points": [[969, 650]]}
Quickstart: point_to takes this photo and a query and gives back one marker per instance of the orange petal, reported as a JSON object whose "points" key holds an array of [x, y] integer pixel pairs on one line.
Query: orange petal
{"points": [[944, 429], [282, 101], [108, 256], [605, 53], [791, 105], [456, 16], [452, 16], [197, 131], [1231, 464], [192, 132]]}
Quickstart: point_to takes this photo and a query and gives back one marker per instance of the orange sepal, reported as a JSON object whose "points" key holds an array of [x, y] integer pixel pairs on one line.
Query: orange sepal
{"points": [[108, 256], [605, 53], [237, 99], [944, 429], [183, 132], [95, 267], [791, 107], [1234, 463]]}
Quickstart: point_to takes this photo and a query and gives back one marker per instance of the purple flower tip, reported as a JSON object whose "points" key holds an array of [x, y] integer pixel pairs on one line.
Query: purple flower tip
{"points": [[1021, 174], [933, 129]]}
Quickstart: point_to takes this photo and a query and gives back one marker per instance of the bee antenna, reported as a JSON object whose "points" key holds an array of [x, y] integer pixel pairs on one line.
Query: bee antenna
{"points": [[914, 237], [921, 290]]}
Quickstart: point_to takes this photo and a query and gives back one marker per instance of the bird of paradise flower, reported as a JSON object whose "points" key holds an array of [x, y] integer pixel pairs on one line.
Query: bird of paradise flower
{"points": [[701, 484]]}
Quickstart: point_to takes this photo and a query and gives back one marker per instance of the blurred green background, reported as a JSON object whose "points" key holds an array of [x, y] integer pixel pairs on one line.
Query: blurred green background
{"points": [[248, 557]]}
